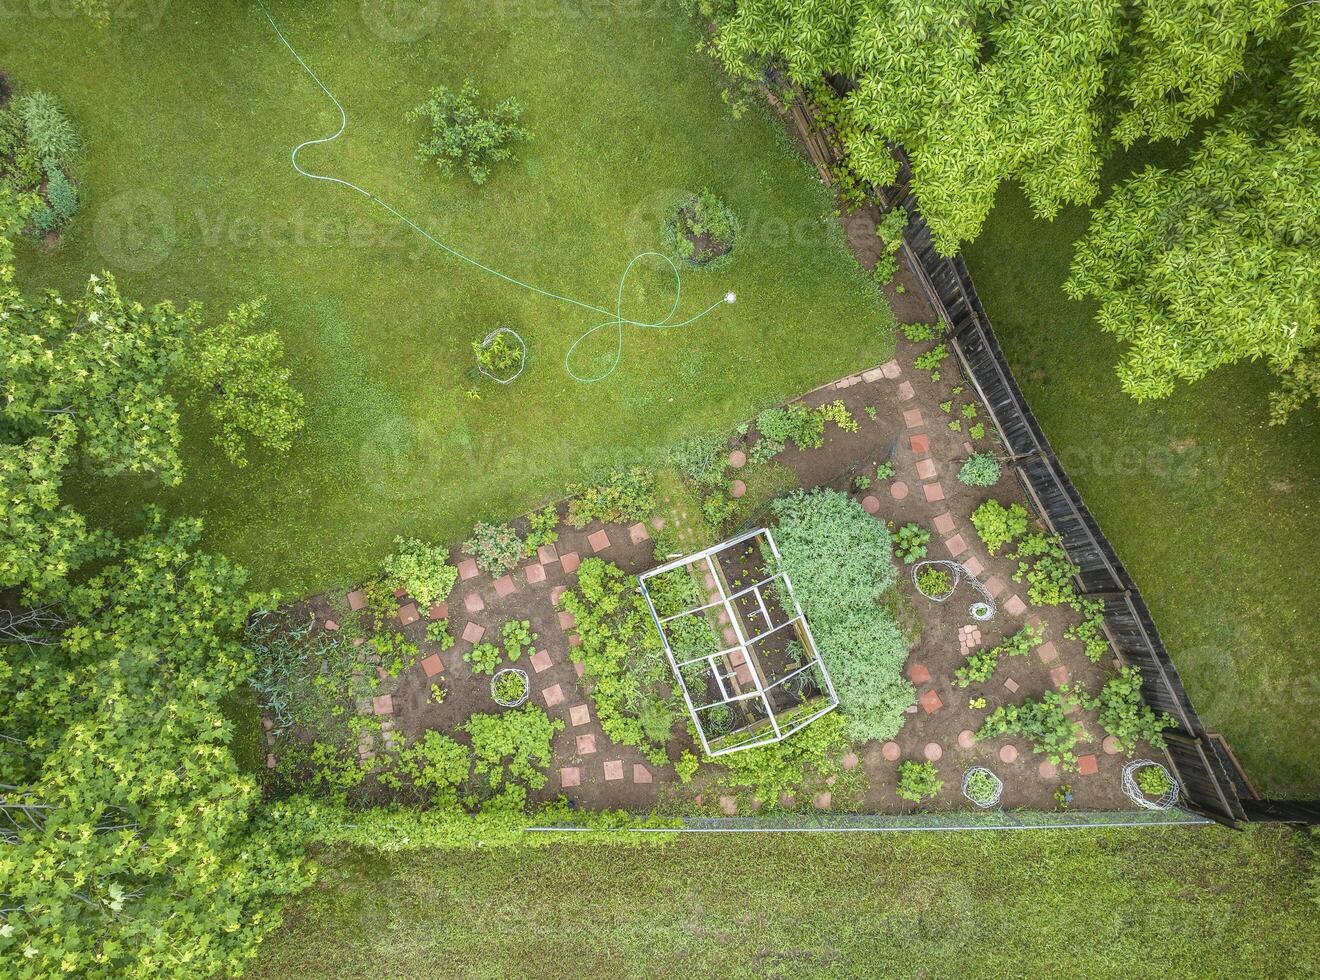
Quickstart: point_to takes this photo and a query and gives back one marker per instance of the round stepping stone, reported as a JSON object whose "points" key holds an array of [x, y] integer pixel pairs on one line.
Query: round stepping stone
{"points": [[1008, 754], [967, 738], [933, 751], [1110, 745], [891, 751], [1047, 770], [898, 489], [850, 760], [737, 459], [737, 489], [870, 504]]}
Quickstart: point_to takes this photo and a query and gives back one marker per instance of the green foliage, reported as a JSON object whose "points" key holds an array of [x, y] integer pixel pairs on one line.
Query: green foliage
{"points": [[1049, 575], [501, 357], [513, 747], [979, 667], [1124, 715], [784, 767], [541, 525], [484, 657], [980, 470], [463, 134], [976, 430], [795, 422], [910, 543], [437, 766], [61, 195], [934, 581], [885, 470], [997, 525], [496, 547], [841, 563], [624, 496], [1044, 723], [510, 688], [422, 569], [931, 360], [686, 766], [890, 228], [981, 787], [1090, 631], [49, 132], [632, 687], [918, 781], [518, 636], [437, 632], [1153, 781], [702, 459], [702, 229], [920, 333]]}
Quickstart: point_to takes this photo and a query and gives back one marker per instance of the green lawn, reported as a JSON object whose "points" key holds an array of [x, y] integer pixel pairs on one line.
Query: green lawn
{"points": [[1213, 512], [1135, 903], [189, 125]]}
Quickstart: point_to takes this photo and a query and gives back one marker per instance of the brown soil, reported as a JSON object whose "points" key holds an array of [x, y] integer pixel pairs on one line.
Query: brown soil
{"points": [[705, 249]]}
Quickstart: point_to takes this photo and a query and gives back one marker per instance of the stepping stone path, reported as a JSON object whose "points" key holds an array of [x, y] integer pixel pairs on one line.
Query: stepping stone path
{"points": [[638, 533], [1015, 606], [640, 773], [579, 714], [905, 392], [892, 751], [432, 666], [919, 443], [918, 673], [599, 540], [728, 805], [1059, 675], [871, 504], [553, 695], [944, 523], [850, 761], [1011, 684], [930, 702], [467, 569], [473, 632], [1047, 770], [613, 770], [586, 744], [737, 459], [357, 599], [504, 586], [1047, 652], [438, 610], [1087, 765], [926, 469], [898, 490], [547, 554], [823, 801], [570, 562], [569, 777], [535, 574], [383, 704], [474, 603], [737, 489], [973, 565], [407, 614], [969, 638], [912, 419], [933, 491], [541, 661]]}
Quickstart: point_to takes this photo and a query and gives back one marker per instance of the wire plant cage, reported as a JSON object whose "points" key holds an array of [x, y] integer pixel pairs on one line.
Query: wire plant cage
{"points": [[977, 777], [490, 339], [504, 693], [739, 644], [981, 610], [1137, 795]]}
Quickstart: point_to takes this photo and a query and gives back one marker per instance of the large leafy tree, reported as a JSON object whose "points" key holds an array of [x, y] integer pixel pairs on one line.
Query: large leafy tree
{"points": [[1219, 261], [982, 91]]}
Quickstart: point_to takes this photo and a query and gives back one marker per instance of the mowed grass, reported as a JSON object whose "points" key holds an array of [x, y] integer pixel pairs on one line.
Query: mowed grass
{"points": [[189, 125], [1133, 903], [1213, 511]]}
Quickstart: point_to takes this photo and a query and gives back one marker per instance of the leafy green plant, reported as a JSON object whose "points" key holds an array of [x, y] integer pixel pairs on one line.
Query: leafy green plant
{"points": [[997, 525], [769, 771], [796, 423], [62, 196], [946, 406], [513, 747], [1125, 716], [510, 688], [500, 356], [625, 495], [885, 470], [541, 525], [931, 360], [484, 657], [976, 430], [934, 581], [1153, 781], [460, 133], [920, 333], [1044, 723], [422, 569], [955, 425], [437, 765], [686, 767], [981, 787], [969, 410], [496, 547], [918, 781], [396, 651], [980, 666], [49, 131], [702, 229], [518, 636], [980, 470], [910, 543], [861, 482], [1090, 631], [1049, 573]]}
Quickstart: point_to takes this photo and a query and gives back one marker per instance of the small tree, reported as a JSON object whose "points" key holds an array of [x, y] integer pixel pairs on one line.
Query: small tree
{"points": [[463, 134]]}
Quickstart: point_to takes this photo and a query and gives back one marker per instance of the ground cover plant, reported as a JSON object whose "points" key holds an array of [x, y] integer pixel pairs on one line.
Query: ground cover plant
{"points": [[377, 324]]}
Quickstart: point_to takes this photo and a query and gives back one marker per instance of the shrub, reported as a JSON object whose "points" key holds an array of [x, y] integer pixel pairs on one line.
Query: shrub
{"points": [[771, 770], [496, 547], [997, 525], [885, 470], [918, 781], [517, 635], [61, 195], [701, 229], [463, 134], [48, 129], [422, 569], [840, 561], [484, 657], [980, 470], [1125, 716], [626, 495], [501, 356], [513, 745], [438, 764], [1153, 781], [890, 229], [796, 423], [1044, 723], [910, 543], [934, 582]]}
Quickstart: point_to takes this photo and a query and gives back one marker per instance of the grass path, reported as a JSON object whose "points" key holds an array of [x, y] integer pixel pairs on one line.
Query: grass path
{"points": [[1133, 903], [1213, 511], [191, 195]]}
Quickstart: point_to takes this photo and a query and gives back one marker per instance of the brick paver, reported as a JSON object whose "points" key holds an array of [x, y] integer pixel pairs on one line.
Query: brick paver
{"points": [[930, 702], [1047, 652], [570, 562], [569, 777], [586, 744], [640, 773], [1087, 765], [598, 540], [926, 469], [956, 545], [918, 674], [547, 554], [919, 443], [1059, 675], [912, 418], [467, 569], [407, 614], [613, 769], [432, 665], [737, 489], [944, 523], [383, 704], [541, 661], [474, 603], [933, 491], [566, 620], [905, 392], [553, 695], [473, 632], [535, 574], [504, 586], [579, 714], [638, 533], [357, 599]]}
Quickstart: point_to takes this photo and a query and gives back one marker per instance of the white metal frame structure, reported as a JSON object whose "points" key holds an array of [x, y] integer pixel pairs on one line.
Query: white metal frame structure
{"points": [[755, 687]]}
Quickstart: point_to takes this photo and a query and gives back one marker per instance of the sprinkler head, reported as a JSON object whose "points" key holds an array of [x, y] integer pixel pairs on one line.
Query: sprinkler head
{"points": [[730, 297]]}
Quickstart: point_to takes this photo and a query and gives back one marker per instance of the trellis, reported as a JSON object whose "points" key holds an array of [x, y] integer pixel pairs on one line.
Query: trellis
{"points": [[741, 678]]}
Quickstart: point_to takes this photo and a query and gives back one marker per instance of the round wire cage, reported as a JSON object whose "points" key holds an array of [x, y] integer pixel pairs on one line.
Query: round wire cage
{"points": [[495, 683], [993, 800], [1133, 791], [981, 610], [522, 361]]}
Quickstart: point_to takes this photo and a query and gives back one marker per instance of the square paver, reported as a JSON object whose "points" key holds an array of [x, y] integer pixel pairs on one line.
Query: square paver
{"points": [[586, 744], [933, 491], [553, 695], [930, 702], [1012, 685], [891, 369], [579, 714], [547, 554], [956, 545], [438, 610], [1059, 675], [613, 769], [926, 469], [574, 640], [383, 704], [556, 592], [504, 586], [566, 620], [1015, 606], [640, 773], [408, 613], [541, 661], [1047, 652], [473, 632], [357, 599], [1087, 765], [905, 392], [995, 586], [570, 562], [944, 523], [432, 665], [599, 540], [474, 603], [918, 674], [467, 569], [535, 574], [919, 444], [912, 418], [973, 566], [638, 533], [569, 777]]}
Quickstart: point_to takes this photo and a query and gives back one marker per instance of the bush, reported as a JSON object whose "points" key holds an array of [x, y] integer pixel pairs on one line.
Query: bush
{"points": [[1090, 631], [49, 131], [918, 781], [496, 547], [783, 767], [997, 525], [438, 764], [796, 423], [463, 134], [422, 569], [841, 562], [890, 229], [513, 746], [980, 470], [701, 230], [626, 495], [61, 195], [1125, 716], [910, 543], [702, 459], [517, 635]]}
